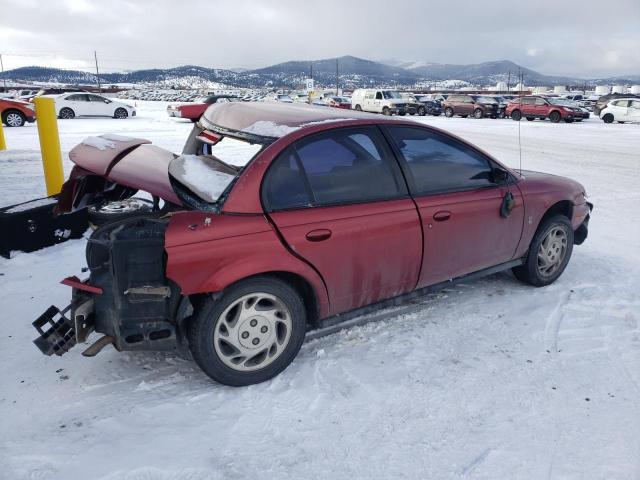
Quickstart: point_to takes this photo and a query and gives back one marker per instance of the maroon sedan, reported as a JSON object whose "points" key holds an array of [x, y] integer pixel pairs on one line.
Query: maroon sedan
{"points": [[332, 212]]}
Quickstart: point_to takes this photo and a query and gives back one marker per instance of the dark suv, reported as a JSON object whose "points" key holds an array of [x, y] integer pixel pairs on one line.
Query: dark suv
{"points": [[465, 105]]}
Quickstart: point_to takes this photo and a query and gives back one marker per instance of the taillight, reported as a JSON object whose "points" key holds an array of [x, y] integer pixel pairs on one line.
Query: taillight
{"points": [[209, 137]]}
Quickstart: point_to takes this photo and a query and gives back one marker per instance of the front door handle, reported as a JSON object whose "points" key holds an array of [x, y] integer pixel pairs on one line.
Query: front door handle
{"points": [[442, 215], [319, 235]]}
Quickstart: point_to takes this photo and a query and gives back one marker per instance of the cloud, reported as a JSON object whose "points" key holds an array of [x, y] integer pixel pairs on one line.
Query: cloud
{"points": [[554, 37]]}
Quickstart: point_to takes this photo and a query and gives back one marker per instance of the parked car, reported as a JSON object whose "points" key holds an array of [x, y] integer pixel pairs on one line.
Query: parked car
{"points": [[15, 113], [387, 102], [193, 111], [605, 99], [499, 100], [533, 106], [80, 104], [476, 105], [338, 102], [431, 107], [621, 110], [241, 261]]}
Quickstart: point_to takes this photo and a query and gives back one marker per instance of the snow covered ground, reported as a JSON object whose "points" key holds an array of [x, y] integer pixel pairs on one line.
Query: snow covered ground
{"points": [[487, 380]]}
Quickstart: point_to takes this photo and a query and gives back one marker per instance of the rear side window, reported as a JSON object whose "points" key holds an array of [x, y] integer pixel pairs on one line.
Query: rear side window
{"points": [[351, 165], [439, 164], [78, 98]]}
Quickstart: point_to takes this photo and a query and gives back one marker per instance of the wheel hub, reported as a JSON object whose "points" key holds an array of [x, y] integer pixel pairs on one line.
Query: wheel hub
{"points": [[14, 119], [255, 332]]}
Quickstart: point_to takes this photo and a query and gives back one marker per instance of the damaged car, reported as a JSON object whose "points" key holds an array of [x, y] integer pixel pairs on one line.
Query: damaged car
{"points": [[280, 219]]}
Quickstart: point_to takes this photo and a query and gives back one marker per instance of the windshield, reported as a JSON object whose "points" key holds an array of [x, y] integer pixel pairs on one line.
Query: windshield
{"points": [[391, 94]]}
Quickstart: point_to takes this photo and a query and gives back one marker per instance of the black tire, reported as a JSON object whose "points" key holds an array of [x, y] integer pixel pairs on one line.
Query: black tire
{"points": [[555, 117], [194, 120], [531, 119], [113, 211], [421, 111], [13, 118], [66, 114], [608, 118], [358, 108], [619, 121], [402, 114], [448, 112], [386, 111], [464, 116], [516, 115], [206, 320], [120, 113], [568, 120], [529, 272], [477, 113]]}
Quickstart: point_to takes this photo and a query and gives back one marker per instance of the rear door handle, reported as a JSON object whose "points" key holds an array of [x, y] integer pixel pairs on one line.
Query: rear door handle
{"points": [[318, 235], [442, 216]]}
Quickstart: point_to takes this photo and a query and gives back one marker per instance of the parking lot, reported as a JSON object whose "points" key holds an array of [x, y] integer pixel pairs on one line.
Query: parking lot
{"points": [[550, 377]]}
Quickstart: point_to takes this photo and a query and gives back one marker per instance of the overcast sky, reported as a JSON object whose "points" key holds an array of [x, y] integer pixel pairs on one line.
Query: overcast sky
{"points": [[562, 37]]}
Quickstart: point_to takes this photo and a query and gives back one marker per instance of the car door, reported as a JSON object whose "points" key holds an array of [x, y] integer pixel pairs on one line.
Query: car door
{"points": [[459, 204], [100, 106], [79, 103], [340, 202]]}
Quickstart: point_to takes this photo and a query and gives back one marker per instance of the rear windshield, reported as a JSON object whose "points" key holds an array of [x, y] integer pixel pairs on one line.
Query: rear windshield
{"points": [[210, 172]]}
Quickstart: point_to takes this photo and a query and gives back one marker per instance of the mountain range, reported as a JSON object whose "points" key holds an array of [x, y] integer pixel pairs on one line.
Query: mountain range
{"points": [[353, 72]]}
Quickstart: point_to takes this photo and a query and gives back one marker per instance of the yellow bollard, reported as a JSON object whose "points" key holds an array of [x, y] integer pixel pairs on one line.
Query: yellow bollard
{"points": [[49, 144], [3, 145]]}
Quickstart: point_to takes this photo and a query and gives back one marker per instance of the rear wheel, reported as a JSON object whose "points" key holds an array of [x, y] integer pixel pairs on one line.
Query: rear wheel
{"points": [[549, 252], [608, 118], [516, 115], [250, 334], [477, 113], [421, 111], [358, 108], [13, 118], [120, 113], [448, 112], [555, 117], [531, 119], [386, 111], [66, 114]]}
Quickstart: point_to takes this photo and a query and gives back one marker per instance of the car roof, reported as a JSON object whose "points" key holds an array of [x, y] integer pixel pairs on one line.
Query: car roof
{"points": [[268, 121]]}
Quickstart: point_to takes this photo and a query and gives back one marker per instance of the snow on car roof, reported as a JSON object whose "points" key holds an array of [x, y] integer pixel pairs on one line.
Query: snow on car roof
{"points": [[272, 120]]}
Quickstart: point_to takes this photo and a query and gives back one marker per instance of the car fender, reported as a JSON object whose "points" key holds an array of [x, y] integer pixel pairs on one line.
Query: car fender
{"points": [[206, 256]]}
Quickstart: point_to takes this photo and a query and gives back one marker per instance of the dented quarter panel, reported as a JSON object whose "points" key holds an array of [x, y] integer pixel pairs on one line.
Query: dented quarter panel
{"points": [[208, 252]]}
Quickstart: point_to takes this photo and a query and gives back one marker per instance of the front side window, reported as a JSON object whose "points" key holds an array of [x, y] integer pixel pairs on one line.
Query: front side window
{"points": [[540, 101], [350, 165], [439, 164], [378, 95]]}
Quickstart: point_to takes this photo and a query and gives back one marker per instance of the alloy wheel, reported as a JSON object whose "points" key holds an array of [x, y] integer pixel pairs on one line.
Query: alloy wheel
{"points": [[252, 332], [14, 120], [552, 251]]}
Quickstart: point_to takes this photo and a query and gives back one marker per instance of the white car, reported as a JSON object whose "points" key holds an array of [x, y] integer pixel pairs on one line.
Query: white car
{"points": [[621, 110], [82, 104]]}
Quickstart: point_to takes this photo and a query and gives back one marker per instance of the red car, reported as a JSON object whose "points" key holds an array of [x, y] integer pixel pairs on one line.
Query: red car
{"points": [[333, 212], [338, 102], [532, 107], [193, 111], [15, 113]]}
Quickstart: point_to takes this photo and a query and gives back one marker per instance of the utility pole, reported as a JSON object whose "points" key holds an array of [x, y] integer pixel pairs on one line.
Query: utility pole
{"points": [[337, 78], [95, 56], [509, 81], [4, 80]]}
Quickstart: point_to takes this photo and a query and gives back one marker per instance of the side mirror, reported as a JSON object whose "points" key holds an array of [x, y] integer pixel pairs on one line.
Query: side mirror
{"points": [[500, 175], [107, 101]]}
